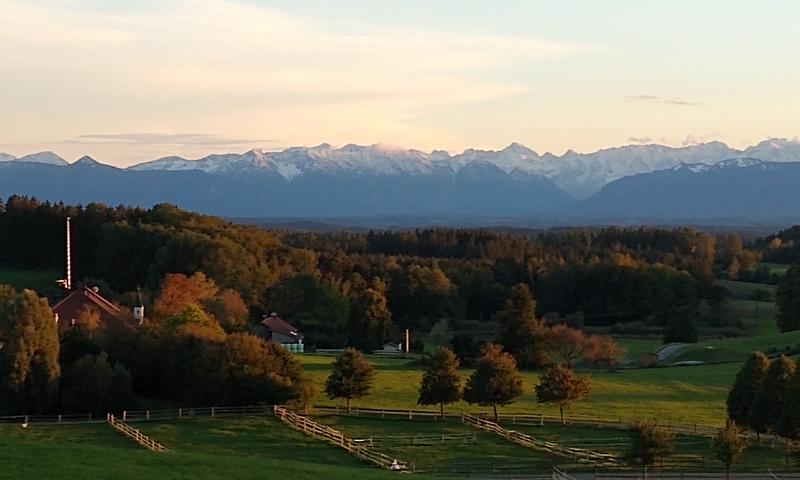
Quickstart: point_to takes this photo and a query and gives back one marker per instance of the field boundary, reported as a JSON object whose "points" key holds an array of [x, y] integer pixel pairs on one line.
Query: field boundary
{"points": [[337, 438], [597, 459], [136, 435]]}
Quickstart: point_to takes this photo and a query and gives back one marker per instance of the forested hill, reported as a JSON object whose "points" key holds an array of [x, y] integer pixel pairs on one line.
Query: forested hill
{"points": [[331, 285]]}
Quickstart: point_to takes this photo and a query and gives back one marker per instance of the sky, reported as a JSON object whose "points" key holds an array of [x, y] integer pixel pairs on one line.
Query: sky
{"points": [[131, 81]]}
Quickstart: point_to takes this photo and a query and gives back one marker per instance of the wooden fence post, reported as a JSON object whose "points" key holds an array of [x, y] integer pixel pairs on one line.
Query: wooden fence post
{"points": [[147, 415], [212, 411], [59, 418], [180, 412]]}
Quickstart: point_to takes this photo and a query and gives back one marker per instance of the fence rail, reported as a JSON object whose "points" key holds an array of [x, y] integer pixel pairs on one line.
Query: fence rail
{"points": [[335, 437], [135, 434], [598, 459]]}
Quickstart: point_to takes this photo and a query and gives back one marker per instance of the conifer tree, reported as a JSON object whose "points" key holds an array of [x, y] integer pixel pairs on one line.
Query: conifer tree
{"points": [[559, 385], [522, 333], [495, 380], [351, 377], [746, 386], [441, 383], [787, 296], [769, 401]]}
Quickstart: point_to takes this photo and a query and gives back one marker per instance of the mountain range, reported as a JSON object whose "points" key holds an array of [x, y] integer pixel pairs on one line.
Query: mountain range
{"points": [[698, 181]]}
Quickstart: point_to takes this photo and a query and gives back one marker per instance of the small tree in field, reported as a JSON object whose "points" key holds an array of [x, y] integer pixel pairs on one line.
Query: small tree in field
{"points": [[729, 445], [602, 350], [559, 385], [649, 443], [441, 382], [746, 387], [568, 342], [351, 377], [495, 380]]}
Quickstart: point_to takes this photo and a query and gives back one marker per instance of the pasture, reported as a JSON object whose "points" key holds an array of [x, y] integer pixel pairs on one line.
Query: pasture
{"points": [[206, 448], [679, 394], [29, 278]]}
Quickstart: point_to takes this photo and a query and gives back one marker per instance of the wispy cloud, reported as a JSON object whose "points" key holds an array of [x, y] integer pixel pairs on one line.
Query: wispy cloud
{"points": [[698, 139], [647, 98], [164, 139], [640, 140]]}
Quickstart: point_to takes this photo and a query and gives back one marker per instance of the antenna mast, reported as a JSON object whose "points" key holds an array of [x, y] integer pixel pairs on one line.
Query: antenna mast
{"points": [[68, 281]]}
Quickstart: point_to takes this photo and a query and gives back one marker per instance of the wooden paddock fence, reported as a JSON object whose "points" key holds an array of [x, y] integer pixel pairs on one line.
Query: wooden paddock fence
{"points": [[335, 437], [419, 439], [134, 433], [597, 459]]}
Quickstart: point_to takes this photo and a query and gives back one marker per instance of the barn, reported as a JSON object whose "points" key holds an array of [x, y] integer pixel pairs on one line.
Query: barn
{"points": [[276, 329], [68, 311]]}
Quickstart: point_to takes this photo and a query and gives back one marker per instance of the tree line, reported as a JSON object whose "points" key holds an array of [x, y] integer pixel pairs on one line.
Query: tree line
{"points": [[360, 290]]}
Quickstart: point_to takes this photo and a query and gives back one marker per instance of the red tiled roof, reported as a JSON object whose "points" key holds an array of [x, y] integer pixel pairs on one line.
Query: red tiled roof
{"points": [[278, 325]]}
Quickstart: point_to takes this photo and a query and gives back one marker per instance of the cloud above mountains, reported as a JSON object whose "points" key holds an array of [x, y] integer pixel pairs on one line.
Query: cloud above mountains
{"points": [[647, 98]]}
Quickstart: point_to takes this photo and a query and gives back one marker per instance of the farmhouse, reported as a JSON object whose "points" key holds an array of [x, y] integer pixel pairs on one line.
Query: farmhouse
{"points": [[68, 311], [274, 328]]}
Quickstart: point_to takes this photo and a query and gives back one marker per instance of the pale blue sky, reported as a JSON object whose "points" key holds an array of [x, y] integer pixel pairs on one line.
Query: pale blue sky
{"points": [[131, 81]]}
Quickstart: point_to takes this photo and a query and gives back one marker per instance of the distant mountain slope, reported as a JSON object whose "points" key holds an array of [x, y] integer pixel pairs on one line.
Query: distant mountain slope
{"points": [[742, 187], [483, 190]]}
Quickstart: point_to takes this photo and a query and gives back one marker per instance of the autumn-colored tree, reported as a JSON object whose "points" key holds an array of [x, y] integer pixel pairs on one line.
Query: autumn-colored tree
{"points": [[351, 377], [568, 342], [178, 291], [88, 319], [602, 350], [560, 386], [729, 445], [495, 380], [229, 309], [441, 382], [522, 334], [370, 318], [746, 386], [29, 369], [649, 443]]}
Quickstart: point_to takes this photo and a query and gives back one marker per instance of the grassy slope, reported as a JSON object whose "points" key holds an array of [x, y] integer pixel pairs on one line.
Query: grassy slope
{"points": [[685, 394], [26, 278], [247, 448]]}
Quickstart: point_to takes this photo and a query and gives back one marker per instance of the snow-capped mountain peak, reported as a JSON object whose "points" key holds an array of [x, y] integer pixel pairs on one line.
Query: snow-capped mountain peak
{"points": [[48, 158]]}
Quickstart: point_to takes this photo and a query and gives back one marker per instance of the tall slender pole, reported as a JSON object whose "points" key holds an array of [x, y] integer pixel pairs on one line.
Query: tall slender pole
{"points": [[408, 344], [68, 284]]}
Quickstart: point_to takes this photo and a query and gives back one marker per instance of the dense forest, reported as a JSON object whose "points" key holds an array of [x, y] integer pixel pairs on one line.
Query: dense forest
{"points": [[361, 289], [204, 281]]}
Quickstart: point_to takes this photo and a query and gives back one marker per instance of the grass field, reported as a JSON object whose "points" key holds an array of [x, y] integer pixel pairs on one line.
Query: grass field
{"points": [[679, 394], [27, 278], [775, 268], [486, 452], [242, 448], [735, 349], [689, 450], [743, 290]]}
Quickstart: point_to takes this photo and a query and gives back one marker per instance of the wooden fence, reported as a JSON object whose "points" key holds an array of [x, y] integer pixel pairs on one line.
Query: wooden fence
{"points": [[335, 437], [135, 434], [419, 439], [598, 459], [559, 475]]}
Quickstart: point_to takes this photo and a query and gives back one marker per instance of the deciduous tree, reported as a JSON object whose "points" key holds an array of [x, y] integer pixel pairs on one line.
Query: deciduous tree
{"points": [[351, 377], [560, 386], [29, 369], [649, 443], [729, 445], [441, 383], [495, 380]]}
